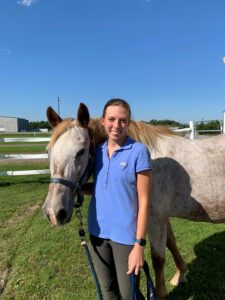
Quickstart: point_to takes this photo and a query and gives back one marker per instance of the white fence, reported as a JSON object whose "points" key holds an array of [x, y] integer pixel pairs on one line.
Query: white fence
{"points": [[191, 129], [23, 156]]}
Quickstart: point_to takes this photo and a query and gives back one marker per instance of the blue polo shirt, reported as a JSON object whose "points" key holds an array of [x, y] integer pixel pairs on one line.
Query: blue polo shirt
{"points": [[113, 208]]}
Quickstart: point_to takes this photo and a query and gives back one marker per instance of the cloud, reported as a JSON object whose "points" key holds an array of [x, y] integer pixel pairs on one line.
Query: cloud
{"points": [[224, 59], [27, 2], [8, 51]]}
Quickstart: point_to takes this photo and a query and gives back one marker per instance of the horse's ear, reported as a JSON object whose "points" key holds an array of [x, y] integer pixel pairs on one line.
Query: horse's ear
{"points": [[53, 118], [83, 115]]}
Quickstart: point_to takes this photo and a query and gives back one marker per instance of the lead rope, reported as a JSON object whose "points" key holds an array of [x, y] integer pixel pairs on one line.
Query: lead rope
{"points": [[135, 291], [84, 244]]}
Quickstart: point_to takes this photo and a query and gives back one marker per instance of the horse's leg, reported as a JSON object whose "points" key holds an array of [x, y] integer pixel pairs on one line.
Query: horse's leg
{"points": [[158, 237], [179, 276]]}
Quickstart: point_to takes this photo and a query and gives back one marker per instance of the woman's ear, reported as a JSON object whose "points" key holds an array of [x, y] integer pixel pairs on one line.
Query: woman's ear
{"points": [[102, 121]]}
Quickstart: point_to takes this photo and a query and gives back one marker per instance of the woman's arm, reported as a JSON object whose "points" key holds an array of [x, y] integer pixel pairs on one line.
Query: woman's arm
{"points": [[136, 257]]}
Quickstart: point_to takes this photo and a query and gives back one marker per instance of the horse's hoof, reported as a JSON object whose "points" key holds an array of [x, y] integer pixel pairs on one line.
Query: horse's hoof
{"points": [[178, 279]]}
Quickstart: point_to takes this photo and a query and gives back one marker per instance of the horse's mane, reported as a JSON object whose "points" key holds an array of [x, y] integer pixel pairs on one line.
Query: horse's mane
{"points": [[148, 134], [59, 130], [139, 131]]}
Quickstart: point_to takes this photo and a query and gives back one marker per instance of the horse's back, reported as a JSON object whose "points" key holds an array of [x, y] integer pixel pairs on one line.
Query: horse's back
{"points": [[189, 178]]}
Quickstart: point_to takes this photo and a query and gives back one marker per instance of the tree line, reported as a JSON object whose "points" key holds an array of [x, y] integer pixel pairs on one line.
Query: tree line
{"points": [[38, 125]]}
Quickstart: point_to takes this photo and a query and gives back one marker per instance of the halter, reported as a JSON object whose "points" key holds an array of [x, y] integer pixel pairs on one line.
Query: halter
{"points": [[77, 186]]}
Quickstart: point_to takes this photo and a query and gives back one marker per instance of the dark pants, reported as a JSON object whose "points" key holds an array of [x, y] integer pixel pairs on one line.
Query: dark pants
{"points": [[111, 262]]}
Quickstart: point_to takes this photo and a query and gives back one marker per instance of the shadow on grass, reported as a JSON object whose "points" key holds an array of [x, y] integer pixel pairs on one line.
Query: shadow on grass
{"points": [[206, 274]]}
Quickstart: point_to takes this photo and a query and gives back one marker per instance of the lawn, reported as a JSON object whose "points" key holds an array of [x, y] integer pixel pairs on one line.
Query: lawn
{"points": [[38, 261]]}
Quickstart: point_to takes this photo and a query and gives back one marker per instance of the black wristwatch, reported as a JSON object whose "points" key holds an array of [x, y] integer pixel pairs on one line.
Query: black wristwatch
{"points": [[141, 242]]}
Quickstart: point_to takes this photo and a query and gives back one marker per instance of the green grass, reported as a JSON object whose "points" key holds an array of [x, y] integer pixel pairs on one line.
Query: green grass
{"points": [[23, 147], [48, 263], [12, 166], [20, 148]]}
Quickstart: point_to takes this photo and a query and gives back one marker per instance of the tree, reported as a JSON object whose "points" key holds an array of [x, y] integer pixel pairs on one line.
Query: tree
{"points": [[39, 124], [210, 125], [169, 123]]}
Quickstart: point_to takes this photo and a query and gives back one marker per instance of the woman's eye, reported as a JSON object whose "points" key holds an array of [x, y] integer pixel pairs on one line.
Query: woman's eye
{"points": [[79, 153]]}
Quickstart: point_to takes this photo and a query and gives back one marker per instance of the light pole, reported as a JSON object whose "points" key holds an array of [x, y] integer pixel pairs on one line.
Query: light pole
{"points": [[58, 106]]}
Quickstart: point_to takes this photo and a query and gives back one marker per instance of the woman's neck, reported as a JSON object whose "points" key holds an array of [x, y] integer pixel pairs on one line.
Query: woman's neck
{"points": [[114, 145]]}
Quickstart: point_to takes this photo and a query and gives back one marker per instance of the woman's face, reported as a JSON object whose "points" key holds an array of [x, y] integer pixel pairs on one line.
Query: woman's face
{"points": [[116, 122]]}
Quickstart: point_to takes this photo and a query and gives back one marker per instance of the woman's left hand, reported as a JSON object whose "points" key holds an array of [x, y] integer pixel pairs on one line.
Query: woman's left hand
{"points": [[136, 259]]}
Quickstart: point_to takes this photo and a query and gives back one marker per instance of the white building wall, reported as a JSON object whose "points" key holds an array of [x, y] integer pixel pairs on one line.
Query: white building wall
{"points": [[10, 124]]}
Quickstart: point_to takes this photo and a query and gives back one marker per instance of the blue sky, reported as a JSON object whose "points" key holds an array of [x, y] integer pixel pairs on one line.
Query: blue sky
{"points": [[165, 57]]}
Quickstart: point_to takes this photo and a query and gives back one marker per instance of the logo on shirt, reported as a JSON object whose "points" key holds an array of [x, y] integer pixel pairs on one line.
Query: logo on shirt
{"points": [[123, 165]]}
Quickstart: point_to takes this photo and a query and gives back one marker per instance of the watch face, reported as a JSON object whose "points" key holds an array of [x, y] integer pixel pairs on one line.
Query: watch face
{"points": [[141, 242]]}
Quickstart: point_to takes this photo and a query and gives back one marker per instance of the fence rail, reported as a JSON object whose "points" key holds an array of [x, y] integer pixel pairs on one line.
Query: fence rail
{"points": [[24, 156], [28, 172], [193, 131], [24, 140]]}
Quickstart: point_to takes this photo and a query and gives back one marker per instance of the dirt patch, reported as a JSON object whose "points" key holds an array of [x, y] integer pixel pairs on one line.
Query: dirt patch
{"points": [[12, 222], [4, 275], [27, 212]]}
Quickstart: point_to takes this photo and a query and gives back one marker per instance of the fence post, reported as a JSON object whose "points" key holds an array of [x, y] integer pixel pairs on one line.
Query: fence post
{"points": [[192, 127]]}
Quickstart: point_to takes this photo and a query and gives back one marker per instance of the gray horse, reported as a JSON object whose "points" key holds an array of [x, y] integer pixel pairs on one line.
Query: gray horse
{"points": [[188, 180]]}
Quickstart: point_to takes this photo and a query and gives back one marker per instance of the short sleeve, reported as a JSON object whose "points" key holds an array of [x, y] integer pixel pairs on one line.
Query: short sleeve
{"points": [[143, 161]]}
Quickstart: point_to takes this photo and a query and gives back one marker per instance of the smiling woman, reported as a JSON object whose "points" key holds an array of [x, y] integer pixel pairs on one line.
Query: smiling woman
{"points": [[130, 183]]}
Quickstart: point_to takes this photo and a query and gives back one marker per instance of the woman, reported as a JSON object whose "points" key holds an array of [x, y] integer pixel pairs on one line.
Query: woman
{"points": [[119, 209]]}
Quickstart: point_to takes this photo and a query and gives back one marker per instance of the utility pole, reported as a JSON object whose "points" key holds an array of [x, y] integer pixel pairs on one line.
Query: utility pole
{"points": [[58, 106]]}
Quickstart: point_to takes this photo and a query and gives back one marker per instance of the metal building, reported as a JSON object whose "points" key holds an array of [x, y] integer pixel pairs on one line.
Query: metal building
{"points": [[13, 124]]}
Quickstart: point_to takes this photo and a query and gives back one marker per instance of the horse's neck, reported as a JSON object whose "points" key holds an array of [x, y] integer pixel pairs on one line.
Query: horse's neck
{"points": [[148, 134], [97, 130]]}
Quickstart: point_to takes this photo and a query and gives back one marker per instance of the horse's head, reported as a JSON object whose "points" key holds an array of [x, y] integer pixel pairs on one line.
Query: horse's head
{"points": [[69, 150]]}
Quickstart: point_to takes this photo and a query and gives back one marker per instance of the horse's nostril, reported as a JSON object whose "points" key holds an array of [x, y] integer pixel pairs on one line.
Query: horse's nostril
{"points": [[61, 215]]}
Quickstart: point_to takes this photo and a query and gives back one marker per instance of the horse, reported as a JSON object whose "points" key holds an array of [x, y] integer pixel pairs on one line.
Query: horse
{"points": [[187, 180]]}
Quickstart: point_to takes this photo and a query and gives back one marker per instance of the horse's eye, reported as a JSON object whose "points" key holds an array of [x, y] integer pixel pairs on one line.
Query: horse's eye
{"points": [[80, 152]]}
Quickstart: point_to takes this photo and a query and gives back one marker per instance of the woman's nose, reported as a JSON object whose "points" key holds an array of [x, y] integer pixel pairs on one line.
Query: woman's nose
{"points": [[116, 123]]}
